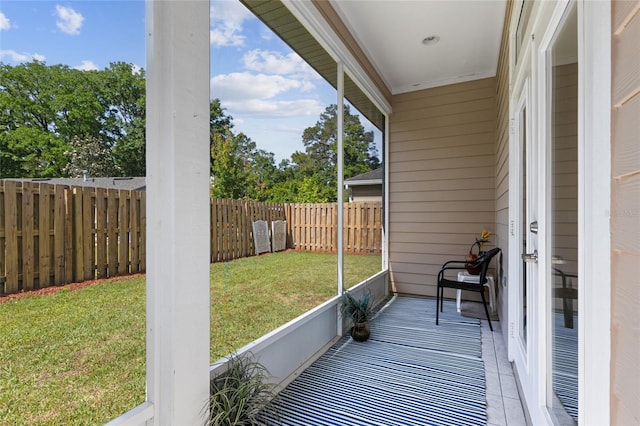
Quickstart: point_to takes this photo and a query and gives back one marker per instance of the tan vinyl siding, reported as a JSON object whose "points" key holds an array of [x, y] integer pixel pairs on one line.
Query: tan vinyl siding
{"points": [[501, 194], [564, 191], [625, 214], [441, 178], [366, 193]]}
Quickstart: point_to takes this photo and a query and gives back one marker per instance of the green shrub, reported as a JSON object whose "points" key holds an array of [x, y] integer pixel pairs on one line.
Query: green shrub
{"points": [[240, 394]]}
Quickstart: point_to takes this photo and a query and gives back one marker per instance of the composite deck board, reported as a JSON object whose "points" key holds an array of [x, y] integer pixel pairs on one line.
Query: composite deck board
{"points": [[565, 364], [410, 372]]}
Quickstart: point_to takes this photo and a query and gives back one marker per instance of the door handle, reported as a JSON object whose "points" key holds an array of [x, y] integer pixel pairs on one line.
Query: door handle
{"points": [[530, 257]]}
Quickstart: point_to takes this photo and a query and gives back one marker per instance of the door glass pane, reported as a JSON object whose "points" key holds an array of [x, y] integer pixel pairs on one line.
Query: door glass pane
{"points": [[563, 384]]}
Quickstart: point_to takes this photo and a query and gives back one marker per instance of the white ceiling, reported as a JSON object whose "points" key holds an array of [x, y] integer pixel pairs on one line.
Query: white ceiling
{"points": [[391, 32]]}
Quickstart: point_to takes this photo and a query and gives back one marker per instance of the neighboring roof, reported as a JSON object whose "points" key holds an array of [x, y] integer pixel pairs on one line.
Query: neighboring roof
{"points": [[128, 183], [374, 177]]}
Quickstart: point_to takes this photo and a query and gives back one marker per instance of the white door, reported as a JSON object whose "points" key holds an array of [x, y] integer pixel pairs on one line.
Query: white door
{"points": [[558, 299], [523, 239], [543, 342]]}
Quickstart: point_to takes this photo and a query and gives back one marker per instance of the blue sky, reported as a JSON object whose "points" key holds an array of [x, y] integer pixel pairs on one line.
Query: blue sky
{"points": [[268, 90]]}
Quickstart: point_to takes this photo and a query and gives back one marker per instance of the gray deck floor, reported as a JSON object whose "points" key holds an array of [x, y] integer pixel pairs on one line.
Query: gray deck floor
{"points": [[408, 372]]}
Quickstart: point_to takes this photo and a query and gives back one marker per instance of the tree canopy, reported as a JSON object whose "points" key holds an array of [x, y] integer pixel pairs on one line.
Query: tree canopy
{"points": [[45, 108], [317, 166], [58, 121]]}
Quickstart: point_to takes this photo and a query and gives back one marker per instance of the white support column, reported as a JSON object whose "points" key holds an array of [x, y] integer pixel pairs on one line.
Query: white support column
{"points": [[178, 210], [340, 171], [385, 189]]}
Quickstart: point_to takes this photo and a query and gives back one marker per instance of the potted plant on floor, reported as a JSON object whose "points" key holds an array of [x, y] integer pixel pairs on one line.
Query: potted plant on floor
{"points": [[359, 311]]}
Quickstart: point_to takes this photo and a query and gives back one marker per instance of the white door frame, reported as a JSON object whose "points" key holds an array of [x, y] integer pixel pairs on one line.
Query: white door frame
{"points": [[594, 211], [522, 94], [594, 207]]}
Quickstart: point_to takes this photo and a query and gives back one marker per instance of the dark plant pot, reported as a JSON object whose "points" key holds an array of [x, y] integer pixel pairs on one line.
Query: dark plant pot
{"points": [[360, 332], [471, 269]]}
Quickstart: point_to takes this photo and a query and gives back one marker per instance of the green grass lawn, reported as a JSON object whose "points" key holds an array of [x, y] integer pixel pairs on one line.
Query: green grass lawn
{"points": [[77, 357]]}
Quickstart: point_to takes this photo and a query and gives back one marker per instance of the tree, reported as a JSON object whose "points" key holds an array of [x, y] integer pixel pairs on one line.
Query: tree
{"points": [[30, 143], [239, 169], [219, 121], [220, 130], [230, 176], [89, 154], [265, 174], [43, 108], [124, 102], [319, 161]]}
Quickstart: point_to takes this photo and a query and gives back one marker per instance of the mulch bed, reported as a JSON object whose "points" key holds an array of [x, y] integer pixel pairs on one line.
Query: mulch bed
{"points": [[69, 287]]}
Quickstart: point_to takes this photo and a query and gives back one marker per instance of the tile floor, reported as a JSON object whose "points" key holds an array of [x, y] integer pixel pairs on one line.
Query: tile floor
{"points": [[503, 401]]}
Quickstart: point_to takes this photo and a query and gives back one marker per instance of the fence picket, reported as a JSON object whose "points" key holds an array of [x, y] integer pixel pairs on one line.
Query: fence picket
{"points": [[88, 237], [143, 231], [112, 232], [78, 252], [11, 237], [3, 272], [44, 236], [67, 225], [135, 233], [123, 233], [27, 253], [59, 233], [101, 233]]}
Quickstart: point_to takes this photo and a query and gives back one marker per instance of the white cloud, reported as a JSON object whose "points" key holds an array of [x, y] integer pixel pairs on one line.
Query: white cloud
{"points": [[20, 57], [275, 109], [276, 63], [5, 24], [227, 17], [69, 21], [87, 66], [245, 86], [225, 37], [246, 94]]}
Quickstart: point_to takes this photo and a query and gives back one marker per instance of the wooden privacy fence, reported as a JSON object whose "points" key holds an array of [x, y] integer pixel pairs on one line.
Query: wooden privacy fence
{"points": [[314, 227], [231, 234], [310, 227], [56, 234]]}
